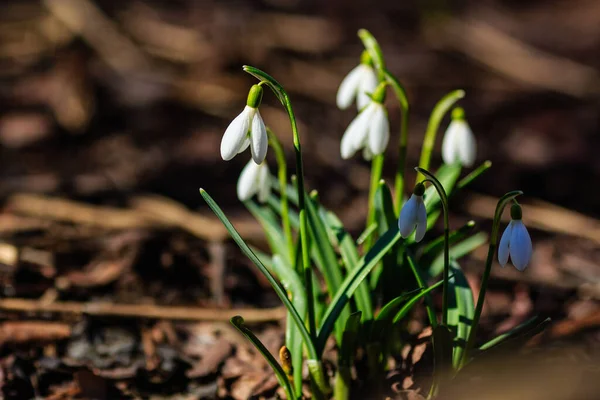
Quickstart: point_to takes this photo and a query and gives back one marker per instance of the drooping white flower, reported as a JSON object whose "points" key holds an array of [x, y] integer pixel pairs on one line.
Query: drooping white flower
{"points": [[247, 130], [358, 84], [414, 215], [515, 242], [370, 130], [254, 180], [459, 143]]}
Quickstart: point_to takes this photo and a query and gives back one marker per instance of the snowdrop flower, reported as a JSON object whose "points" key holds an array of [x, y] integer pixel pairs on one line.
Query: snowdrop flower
{"points": [[370, 130], [359, 83], [459, 143], [247, 130], [413, 215], [254, 179], [515, 241]]}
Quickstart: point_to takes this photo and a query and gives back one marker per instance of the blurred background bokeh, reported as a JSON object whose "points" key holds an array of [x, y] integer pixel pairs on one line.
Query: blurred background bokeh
{"points": [[119, 107]]}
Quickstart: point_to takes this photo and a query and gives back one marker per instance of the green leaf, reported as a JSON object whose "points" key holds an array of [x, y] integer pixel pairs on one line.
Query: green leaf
{"points": [[448, 176], [460, 311], [526, 330], [271, 227], [350, 256], [436, 246], [440, 109], [457, 251], [386, 275], [292, 282], [326, 259], [352, 281], [371, 229], [238, 322], [410, 303], [250, 254]]}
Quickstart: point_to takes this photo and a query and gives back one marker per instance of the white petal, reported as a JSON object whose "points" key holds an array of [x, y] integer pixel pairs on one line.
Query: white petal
{"points": [[264, 183], [421, 221], [247, 184], [520, 245], [349, 87], [236, 134], [244, 145], [368, 84], [449, 144], [259, 139], [367, 155], [504, 246], [379, 131], [467, 146], [408, 217], [356, 133]]}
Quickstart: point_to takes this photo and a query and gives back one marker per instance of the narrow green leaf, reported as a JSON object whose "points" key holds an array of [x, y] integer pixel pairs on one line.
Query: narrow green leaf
{"points": [[271, 227], [366, 233], [457, 251], [529, 328], [292, 282], [250, 254], [409, 304], [352, 281], [437, 245], [326, 259], [238, 322], [460, 311], [350, 256]]}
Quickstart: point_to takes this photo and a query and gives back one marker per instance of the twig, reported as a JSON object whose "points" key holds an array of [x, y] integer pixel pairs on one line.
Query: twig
{"points": [[143, 310]]}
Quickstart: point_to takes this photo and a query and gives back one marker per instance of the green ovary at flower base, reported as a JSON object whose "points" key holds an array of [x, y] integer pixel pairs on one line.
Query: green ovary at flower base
{"points": [[515, 241], [247, 130], [459, 143]]}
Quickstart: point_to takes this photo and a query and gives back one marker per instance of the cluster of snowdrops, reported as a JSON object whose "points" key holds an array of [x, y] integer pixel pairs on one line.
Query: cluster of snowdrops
{"points": [[359, 290]]}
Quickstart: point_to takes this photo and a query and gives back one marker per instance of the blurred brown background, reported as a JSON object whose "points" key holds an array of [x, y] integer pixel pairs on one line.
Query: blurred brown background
{"points": [[106, 102]]}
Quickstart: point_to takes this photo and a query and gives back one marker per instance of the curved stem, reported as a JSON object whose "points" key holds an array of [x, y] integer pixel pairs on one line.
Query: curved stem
{"points": [[504, 200], [444, 200], [283, 97], [400, 93], [282, 176], [440, 109]]}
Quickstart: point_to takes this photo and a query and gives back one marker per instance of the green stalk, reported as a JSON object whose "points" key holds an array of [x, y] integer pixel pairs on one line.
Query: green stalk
{"points": [[440, 109], [504, 200], [400, 93], [283, 97], [444, 200], [282, 176], [376, 170]]}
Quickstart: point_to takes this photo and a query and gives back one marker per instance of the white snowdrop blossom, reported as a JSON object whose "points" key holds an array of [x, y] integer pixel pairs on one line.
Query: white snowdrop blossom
{"points": [[358, 84], [370, 130], [515, 242], [459, 142], [247, 130], [414, 215], [254, 180]]}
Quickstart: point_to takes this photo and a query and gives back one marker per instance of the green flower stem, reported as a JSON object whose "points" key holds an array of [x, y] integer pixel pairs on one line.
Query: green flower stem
{"points": [[444, 200], [376, 171], [375, 52], [282, 176], [504, 200], [283, 97], [400, 93], [440, 109], [428, 302]]}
